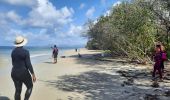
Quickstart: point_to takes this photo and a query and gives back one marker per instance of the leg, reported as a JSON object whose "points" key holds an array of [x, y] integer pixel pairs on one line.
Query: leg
{"points": [[55, 60], [29, 85], [162, 66], [160, 73], [154, 71], [18, 89]]}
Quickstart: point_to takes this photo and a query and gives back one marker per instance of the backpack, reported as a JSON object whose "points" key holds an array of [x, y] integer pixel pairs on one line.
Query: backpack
{"points": [[55, 51], [164, 56]]}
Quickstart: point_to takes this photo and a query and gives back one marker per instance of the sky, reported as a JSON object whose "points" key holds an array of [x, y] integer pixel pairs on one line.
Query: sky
{"points": [[48, 22]]}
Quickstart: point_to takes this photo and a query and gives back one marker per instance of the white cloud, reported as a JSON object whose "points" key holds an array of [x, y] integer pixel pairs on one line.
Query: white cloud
{"points": [[108, 12], [90, 12], [45, 14], [3, 20], [13, 16], [4, 25], [75, 30], [82, 5], [21, 2], [39, 37], [42, 23], [117, 3]]}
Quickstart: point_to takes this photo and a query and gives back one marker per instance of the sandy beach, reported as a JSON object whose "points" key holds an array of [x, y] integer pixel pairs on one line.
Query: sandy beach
{"points": [[74, 78]]}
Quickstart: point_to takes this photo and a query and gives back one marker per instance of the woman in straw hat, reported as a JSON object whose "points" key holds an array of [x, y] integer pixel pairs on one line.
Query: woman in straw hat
{"points": [[22, 71]]}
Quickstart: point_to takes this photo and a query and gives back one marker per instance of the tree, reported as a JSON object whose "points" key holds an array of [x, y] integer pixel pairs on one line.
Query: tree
{"points": [[161, 11], [130, 29]]}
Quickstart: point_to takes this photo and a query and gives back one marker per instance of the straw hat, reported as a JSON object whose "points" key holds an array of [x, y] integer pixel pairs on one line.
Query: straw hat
{"points": [[20, 41]]}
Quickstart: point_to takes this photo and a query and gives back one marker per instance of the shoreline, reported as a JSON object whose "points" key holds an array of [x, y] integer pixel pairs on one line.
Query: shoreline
{"points": [[82, 78]]}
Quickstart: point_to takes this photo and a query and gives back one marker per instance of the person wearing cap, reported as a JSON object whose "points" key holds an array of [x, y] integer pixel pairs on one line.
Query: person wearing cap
{"points": [[22, 70]]}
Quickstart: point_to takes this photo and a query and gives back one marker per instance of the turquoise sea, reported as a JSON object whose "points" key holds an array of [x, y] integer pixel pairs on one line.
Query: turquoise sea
{"points": [[37, 54]]}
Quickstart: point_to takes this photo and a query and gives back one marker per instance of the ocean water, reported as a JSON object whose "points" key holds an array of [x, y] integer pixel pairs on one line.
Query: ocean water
{"points": [[37, 54]]}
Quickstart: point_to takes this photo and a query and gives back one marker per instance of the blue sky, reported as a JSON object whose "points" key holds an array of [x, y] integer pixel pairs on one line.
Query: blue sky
{"points": [[46, 22]]}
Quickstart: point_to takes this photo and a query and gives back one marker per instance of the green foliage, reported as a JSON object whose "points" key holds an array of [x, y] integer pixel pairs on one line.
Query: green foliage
{"points": [[168, 54], [130, 29]]}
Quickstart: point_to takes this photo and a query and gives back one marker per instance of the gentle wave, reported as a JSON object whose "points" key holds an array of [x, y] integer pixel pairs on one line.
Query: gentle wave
{"points": [[38, 55]]}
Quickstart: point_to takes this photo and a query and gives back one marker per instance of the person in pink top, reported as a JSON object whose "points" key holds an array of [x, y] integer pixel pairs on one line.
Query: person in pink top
{"points": [[158, 62]]}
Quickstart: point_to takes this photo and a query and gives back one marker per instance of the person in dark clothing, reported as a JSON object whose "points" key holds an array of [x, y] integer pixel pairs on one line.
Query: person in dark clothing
{"points": [[22, 70], [55, 53], [76, 50], [158, 62]]}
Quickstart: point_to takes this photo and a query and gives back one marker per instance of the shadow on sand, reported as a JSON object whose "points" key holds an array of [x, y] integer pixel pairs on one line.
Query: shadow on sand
{"points": [[103, 86], [49, 62], [4, 98], [97, 59], [96, 86]]}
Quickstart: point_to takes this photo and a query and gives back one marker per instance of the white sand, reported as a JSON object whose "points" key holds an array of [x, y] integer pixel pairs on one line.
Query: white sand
{"points": [[84, 79]]}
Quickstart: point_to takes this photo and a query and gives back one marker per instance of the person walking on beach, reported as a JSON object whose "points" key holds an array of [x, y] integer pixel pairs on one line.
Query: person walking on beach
{"points": [[55, 53], [164, 56], [76, 49], [158, 62], [22, 70]]}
